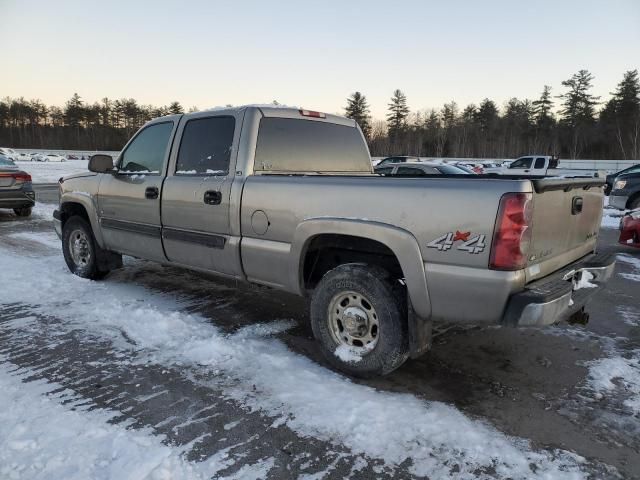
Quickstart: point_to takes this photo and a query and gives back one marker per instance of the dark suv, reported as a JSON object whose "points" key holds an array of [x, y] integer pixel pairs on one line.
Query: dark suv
{"points": [[625, 193]]}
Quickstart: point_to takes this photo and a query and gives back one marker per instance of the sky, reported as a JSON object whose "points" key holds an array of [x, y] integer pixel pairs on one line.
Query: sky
{"points": [[312, 54]]}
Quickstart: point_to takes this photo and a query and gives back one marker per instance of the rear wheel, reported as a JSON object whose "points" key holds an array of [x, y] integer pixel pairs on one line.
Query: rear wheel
{"points": [[358, 315], [80, 249], [22, 212]]}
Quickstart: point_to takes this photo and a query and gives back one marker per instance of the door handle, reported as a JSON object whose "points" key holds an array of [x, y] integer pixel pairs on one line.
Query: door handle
{"points": [[151, 193], [212, 197]]}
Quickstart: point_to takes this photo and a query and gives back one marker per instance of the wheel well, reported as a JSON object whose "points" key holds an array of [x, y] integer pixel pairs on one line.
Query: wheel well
{"points": [[70, 209], [632, 198], [327, 251]]}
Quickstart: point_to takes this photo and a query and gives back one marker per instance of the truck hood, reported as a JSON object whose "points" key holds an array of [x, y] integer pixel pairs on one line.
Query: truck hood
{"points": [[78, 175]]}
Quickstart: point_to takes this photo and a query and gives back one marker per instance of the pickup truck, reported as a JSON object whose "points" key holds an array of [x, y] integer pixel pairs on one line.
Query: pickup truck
{"points": [[287, 198], [540, 166]]}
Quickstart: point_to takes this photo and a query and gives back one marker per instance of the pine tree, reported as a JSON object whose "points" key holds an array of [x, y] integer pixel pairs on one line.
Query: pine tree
{"points": [[542, 108], [621, 115], [398, 113], [175, 108], [74, 111], [578, 107], [358, 110]]}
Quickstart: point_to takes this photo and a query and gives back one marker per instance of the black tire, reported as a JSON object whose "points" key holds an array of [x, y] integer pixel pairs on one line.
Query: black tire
{"points": [[23, 211], [386, 298], [84, 263]]}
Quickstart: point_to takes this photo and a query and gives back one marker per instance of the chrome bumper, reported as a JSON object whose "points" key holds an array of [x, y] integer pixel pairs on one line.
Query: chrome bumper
{"points": [[558, 296]]}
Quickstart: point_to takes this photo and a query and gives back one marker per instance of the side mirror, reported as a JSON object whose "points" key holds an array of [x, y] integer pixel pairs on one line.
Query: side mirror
{"points": [[101, 164]]}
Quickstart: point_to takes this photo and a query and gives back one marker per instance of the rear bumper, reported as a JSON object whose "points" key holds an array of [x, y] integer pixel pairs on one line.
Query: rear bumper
{"points": [[17, 198], [618, 201], [558, 296]]}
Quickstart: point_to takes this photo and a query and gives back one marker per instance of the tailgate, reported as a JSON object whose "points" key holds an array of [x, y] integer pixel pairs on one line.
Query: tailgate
{"points": [[566, 220]]}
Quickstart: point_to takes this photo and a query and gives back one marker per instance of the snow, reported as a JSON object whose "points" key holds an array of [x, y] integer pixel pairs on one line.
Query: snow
{"points": [[259, 372], [50, 172], [585, 281], [612, 374], [41, 439], [348, 354], [634, 262]]}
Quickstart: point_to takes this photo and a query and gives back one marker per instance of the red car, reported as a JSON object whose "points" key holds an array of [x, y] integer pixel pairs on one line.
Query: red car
{"points": [[630, 229]]}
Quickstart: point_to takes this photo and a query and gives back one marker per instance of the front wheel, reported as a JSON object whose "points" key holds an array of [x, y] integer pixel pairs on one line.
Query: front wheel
{"points": [[80, 249], [358, 316]]}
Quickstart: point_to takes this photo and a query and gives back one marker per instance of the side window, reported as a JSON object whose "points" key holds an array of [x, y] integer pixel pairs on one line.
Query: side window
{"points": [[522, 163], [205, 148], [146, 153], [539, 163]]}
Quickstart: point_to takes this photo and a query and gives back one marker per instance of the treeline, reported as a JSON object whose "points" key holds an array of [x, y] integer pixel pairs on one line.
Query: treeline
{"points": [[572, 124], [104, 125]]}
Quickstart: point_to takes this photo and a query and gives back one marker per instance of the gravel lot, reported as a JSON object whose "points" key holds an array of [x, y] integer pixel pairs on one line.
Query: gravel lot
{"points": [[160, 373]]}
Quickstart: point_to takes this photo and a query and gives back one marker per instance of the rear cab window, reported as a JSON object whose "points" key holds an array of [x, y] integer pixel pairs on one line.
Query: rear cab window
{"points": [[205, 146], [293, 145], [539, 163]]}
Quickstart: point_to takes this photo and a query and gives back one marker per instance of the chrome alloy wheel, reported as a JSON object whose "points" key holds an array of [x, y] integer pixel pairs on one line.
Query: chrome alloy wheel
{"points": [[80, 248], [353, 321]]}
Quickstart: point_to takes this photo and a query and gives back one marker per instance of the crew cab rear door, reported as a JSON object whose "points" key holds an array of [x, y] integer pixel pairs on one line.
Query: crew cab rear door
{"points": [[129, 199], [196, 193]]}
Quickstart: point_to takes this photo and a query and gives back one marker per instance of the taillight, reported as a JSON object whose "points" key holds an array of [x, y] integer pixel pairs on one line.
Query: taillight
{"points": [[512, 235], [22, 177], [19, 177], [311, 113]]}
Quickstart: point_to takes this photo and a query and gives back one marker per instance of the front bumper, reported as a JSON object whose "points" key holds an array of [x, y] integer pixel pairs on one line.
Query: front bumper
{"points": [[558, 296], [618, 201], [57, 223]]}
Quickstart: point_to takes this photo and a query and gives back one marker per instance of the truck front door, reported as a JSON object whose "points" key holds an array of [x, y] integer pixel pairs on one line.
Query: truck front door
{"points": [[129, 200], [521, 166], [196, 193]]}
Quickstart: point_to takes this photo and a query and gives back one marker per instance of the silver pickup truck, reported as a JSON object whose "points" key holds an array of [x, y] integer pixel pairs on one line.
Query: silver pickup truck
{"points": [[287, 198]]}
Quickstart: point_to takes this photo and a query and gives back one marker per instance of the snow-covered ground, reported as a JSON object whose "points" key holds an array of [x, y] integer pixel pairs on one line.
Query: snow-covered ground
{"points": [[50, 172], [259, 372], [47, 431]]}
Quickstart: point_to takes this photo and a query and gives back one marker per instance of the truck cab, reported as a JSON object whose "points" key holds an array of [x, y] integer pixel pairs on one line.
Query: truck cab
{"points": [[534, 165]]}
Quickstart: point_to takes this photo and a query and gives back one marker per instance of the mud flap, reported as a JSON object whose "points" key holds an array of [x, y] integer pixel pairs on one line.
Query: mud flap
{"points": [[420, 332]]}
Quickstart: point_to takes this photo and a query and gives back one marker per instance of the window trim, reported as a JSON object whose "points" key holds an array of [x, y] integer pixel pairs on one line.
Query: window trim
{"points": [[160, 172], [198, 174]]}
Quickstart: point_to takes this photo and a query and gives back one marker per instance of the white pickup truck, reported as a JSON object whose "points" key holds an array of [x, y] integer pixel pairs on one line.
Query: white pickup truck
{"points": [[540, 166]]}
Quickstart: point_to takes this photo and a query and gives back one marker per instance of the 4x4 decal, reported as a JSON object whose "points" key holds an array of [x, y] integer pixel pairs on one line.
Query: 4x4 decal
{"points": [[471, 245]]}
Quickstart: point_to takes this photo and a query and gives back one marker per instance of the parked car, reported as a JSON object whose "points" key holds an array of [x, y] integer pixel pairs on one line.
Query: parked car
{"points": [[611, 178], [9, 153], [420, 169], [397, 159], [543, 166], [72, 157], [54, 157], [288, 198], [625, 193], [630, 229], [16, 191]]}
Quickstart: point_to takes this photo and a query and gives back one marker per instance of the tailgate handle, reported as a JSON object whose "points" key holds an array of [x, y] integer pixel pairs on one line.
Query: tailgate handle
{"points": [[576, 205], [212, 197]]}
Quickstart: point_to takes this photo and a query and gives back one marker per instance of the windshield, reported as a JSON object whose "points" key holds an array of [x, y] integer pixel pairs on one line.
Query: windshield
{"points": [[5, 162]]}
